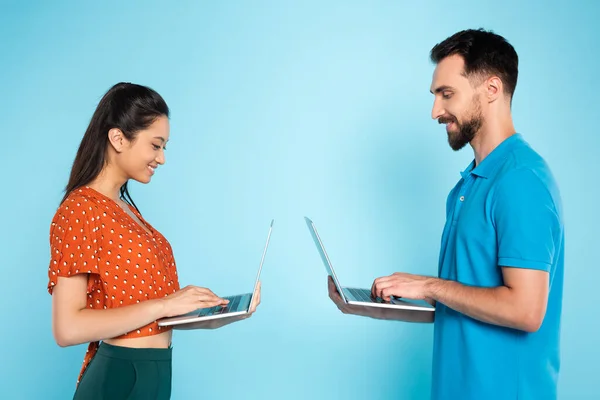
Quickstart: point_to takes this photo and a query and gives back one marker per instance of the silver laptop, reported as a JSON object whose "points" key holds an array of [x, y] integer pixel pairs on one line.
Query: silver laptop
{"points": [[362, 297], [238, 304]]}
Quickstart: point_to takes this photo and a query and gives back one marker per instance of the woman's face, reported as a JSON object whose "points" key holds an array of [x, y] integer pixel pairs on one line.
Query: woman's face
{"points": [[139, 158]]}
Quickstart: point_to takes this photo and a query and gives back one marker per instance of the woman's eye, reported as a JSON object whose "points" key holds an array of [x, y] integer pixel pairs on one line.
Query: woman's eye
{"points": [[156, 147]]}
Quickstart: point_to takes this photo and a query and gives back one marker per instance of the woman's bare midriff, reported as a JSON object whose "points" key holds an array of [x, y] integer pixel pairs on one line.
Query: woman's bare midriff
{"points": [[160, 341]]}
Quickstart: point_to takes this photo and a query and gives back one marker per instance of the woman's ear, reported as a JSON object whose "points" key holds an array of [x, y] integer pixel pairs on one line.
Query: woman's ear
{"points": [[117, 139]]}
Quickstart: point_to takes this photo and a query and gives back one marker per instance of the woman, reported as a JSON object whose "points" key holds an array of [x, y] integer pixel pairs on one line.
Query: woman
{"points": [[112, 275]]}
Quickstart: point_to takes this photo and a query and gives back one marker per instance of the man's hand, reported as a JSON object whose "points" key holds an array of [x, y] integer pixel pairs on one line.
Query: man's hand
{"points": [[400, 284], [396, 314]]}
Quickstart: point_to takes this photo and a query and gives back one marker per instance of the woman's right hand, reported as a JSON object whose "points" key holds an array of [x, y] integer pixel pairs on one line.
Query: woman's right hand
{"points": [[190, 298]]}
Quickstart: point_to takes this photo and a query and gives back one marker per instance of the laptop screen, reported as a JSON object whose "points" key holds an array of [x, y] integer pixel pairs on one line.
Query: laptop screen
{"points": [[324, 257]]}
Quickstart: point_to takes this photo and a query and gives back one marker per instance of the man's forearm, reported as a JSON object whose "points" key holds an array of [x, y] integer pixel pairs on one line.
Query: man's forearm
{"points": [[495, 305]]}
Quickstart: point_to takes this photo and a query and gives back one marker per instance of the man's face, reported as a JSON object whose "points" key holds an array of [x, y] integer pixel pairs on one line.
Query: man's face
{"points": [[457, 103]]}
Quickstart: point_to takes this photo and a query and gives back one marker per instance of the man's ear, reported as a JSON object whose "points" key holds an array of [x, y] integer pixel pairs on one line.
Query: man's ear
{"points": [[493, 89], [117, 139]]}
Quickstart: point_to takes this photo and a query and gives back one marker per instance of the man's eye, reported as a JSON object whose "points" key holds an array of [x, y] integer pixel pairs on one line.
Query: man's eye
{"points": [[446, 95]]}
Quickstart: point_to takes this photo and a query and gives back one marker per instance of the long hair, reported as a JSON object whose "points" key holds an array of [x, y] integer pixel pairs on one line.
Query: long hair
{"points": [[126, 106]]}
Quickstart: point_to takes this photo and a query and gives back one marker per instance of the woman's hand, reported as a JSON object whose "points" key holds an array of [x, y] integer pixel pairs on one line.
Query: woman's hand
{"points": [[255, 300], [189, 299], [220, 322]]}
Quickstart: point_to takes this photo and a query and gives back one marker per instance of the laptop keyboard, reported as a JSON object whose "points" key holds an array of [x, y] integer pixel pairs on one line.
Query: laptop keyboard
{"points": [[236, 303], [363, 295]]}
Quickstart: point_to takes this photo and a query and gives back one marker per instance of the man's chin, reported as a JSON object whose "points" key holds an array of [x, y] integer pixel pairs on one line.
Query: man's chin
{"points": [[455, 144], [457, 147]]}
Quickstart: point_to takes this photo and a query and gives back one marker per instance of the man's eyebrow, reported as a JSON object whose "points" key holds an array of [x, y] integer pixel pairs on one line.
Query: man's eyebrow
{"points": [[441, 89]]}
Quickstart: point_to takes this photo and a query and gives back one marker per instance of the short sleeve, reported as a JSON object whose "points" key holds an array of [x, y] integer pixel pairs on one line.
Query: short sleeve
{"points": [[73, 243], [527, 223]]}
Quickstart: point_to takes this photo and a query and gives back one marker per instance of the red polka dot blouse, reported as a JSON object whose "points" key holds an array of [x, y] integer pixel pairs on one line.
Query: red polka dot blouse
{"points": [[91, 234]]}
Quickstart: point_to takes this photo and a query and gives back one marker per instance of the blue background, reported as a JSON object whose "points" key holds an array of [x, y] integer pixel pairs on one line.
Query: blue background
{"points": [[280, 110]]}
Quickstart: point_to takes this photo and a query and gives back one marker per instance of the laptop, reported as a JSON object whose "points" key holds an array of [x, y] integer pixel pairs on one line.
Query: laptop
{"points": [[362, 297], [238, 304]]}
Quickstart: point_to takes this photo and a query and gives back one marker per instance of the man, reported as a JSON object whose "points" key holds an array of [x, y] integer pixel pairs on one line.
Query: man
{"points": [[498, 296]]}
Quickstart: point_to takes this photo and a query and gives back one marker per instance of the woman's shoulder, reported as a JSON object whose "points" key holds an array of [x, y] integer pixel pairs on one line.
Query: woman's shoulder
{"points": [[81, 202]]}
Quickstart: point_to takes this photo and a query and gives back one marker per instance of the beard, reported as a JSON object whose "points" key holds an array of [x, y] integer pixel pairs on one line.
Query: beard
{"points": [[465, 131]]}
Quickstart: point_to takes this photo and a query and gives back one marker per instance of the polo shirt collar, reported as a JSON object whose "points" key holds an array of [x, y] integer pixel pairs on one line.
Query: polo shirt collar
{"points": [[490, 163]]}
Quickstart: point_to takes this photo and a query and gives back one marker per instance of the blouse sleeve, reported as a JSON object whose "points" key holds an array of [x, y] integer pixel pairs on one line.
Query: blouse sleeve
{"points": [[73, 243]]}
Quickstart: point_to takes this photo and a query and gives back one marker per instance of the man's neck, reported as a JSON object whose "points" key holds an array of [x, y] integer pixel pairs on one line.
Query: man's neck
{"points": [[490, 136]]}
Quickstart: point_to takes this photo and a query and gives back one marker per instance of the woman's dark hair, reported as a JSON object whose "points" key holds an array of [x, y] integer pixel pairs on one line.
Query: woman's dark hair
{"points": [[484, 53], [126, 106]]}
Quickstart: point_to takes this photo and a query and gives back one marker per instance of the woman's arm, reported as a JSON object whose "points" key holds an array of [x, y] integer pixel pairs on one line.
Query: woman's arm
{"points": [[73, 322]]}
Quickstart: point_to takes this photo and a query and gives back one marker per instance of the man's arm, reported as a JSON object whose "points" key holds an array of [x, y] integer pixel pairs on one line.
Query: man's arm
{"points": [[520, 303]]}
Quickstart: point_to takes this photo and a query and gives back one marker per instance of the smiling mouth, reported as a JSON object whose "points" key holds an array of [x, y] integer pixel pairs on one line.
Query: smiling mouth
{"points": [[151, 169], [448, 123]]}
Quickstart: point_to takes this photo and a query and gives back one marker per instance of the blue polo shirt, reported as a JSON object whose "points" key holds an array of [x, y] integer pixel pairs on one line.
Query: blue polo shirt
{"points": [[504, 212]]}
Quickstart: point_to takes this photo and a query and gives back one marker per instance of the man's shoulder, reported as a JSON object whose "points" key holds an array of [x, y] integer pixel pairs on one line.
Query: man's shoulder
{"points": [[524, 162], [526, 177]]}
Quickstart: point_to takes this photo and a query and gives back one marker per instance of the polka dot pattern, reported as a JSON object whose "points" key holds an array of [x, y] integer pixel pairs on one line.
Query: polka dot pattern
{"points": [[126, 264]]}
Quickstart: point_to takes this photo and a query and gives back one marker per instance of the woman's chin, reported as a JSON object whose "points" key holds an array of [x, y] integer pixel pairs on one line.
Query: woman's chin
{"points": [[142, 179]]}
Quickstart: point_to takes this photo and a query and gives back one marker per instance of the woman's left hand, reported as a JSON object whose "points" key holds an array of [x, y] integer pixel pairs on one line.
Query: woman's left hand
{"points": [[255, 299]]}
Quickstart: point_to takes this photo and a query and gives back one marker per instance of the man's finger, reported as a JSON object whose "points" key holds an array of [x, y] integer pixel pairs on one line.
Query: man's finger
{"points": [[378, 282], [381, 286]]}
